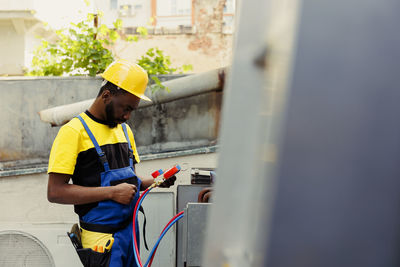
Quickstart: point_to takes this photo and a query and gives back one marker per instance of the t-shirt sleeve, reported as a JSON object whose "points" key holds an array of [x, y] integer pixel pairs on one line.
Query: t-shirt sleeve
{"points": [[133, 144], [64, 151]]}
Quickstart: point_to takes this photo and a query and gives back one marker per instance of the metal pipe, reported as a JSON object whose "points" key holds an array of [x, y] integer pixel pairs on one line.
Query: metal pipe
{"points": [[178, 88], [62, 114], [189, 86], [202, 193]]}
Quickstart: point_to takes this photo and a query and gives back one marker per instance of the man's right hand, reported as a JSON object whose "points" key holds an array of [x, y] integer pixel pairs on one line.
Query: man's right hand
{"points": [[123, 193]]}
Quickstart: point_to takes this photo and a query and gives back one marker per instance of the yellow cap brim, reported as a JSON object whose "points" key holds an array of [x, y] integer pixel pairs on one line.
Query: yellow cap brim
{"points": [[143, 97]]}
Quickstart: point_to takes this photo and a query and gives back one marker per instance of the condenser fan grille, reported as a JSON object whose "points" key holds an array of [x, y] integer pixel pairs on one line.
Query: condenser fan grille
{"points": [[22, 249]]}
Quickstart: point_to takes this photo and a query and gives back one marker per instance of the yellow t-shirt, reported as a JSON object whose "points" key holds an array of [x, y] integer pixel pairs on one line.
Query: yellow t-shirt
{"points": [[73, 152], [72, 147]]}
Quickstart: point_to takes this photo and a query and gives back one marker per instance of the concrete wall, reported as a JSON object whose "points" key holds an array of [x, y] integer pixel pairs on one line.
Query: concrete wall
{"points": [[23, 135], [187, 123]]}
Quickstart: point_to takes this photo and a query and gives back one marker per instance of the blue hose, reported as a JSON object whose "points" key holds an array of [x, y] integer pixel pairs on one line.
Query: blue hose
{"points": [[159, 239]]}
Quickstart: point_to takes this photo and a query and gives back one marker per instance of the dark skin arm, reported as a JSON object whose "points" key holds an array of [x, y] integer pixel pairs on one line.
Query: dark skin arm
{"points": [[146, 182], [60, 191]]}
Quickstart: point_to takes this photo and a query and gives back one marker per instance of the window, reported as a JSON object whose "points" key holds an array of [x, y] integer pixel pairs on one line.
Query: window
{"points": [[126, 11], [113, 4], [174, 7]]}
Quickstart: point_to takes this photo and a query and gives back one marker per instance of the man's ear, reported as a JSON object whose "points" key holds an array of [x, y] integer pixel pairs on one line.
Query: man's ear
{"points": [[106, 96]]}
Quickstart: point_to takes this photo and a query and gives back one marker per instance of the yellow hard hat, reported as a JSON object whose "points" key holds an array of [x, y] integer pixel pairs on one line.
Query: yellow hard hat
{"points": [[128, 76]]}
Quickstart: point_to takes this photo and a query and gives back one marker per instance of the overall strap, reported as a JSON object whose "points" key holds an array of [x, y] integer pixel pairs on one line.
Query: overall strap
{"points": [[101, 154], [129, 144]]}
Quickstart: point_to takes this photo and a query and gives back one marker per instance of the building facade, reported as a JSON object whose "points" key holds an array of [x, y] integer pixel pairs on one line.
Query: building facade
{"points": [[161, 13], [202, 30], [19, 27]]}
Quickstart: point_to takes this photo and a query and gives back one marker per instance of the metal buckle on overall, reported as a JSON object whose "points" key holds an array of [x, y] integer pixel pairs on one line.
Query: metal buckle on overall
{"points": [[130, 153], [103, 158]]}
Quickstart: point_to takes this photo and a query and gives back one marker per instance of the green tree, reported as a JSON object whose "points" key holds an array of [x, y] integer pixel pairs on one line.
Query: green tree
{"points": [[156, 63], [79, 50], [83, 49]]}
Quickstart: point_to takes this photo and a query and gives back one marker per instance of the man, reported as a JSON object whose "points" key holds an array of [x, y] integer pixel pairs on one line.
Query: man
{"points": [[97, 150]]}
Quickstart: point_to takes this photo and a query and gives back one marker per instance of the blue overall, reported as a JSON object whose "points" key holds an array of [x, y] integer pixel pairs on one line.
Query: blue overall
{"points": [[112, 217]]}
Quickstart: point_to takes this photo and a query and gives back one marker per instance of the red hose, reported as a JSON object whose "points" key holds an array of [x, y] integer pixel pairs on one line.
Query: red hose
{"points": [[134, 225]]}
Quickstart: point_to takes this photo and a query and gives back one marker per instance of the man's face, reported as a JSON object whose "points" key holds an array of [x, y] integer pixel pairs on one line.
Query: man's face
{"points": [[119, 109]]}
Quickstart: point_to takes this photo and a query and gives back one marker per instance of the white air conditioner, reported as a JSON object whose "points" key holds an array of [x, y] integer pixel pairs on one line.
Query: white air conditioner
{"points": [[37, 245]]}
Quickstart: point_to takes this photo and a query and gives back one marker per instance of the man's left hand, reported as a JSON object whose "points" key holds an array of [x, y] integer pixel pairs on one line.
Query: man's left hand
{"points": [[169, 182]]}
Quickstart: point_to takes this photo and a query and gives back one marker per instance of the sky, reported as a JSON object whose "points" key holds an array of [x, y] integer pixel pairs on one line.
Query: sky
{"points": [[59, 13]]}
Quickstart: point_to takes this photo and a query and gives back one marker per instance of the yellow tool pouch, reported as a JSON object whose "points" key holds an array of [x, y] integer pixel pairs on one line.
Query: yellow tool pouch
{"points": [[91, 240]]}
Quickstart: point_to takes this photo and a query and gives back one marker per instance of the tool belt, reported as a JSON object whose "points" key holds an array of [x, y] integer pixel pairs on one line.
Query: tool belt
{"points": [[112, 229], [108, 229], [91, 258], [88, 256]]}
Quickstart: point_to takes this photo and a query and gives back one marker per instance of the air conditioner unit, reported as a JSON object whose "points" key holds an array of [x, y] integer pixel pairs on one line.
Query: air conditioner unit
{"points": [[37, 245]]}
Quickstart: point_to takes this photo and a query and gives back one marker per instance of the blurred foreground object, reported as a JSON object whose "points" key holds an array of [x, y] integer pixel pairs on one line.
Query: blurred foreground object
{"points": [[309, 169]]}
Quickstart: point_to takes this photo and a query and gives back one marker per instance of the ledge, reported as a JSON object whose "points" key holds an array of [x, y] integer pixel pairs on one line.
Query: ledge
{"points": [[23, 171], [194, 151], [43, 167]]}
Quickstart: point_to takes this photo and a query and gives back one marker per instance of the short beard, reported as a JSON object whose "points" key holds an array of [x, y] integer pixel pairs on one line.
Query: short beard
{"points": [[110, 119]]}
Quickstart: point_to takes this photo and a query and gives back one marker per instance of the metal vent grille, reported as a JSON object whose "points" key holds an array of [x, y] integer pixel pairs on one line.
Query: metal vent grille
{"points": [[22, 249]]}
